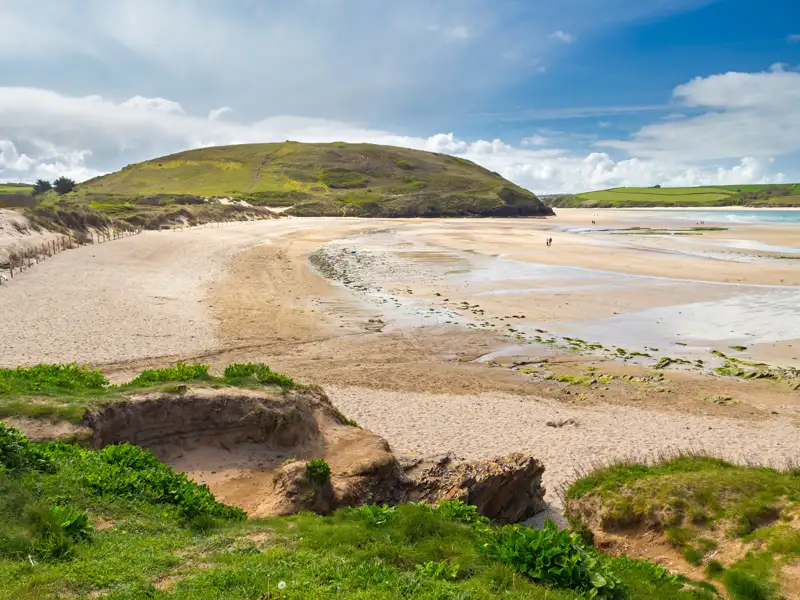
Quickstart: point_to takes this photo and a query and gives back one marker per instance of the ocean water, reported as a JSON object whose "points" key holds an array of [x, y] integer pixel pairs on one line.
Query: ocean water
{"points": [[767, 216]]}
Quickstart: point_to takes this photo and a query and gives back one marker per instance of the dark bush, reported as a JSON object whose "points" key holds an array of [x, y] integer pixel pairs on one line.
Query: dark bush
{"points": [[63, 185]]}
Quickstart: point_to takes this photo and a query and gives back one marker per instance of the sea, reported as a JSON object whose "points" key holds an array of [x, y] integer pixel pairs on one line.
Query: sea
{"points": [[767, 216]]}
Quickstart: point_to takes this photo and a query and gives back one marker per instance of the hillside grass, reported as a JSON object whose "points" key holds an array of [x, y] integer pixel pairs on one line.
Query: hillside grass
{"points": [[703, 507], [691, 197], [116, 524], [335, 179], [66, 392]]}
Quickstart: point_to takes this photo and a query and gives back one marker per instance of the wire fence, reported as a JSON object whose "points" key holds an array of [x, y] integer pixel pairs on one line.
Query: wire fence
{"points": [[209, 224], [32, 255], [25, 258]]}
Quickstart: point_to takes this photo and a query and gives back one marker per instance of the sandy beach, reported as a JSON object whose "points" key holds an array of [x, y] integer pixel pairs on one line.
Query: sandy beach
{"points": [[456, 335]]}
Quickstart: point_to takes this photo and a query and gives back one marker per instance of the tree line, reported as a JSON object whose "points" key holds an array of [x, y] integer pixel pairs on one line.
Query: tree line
{"points": [[62, 185]]}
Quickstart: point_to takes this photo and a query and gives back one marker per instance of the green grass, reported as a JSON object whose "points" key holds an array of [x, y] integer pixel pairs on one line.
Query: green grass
{"points": [[16, 195], [65, 392], [700, 503], [742, 195], [315, 179], [15, 188], [117, 524]]}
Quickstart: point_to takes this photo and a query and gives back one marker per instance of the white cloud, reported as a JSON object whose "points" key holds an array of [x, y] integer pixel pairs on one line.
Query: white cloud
{"points": [[344, 59], [562, 36], [743, 114], [217, 113], [535, 140], [158, 105], [328, 58], [12, 160], [46, 134], [47, 162], [795, 37]]}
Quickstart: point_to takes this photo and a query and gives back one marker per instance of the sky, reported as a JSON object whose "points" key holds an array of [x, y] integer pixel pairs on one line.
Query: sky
{"points": [[558, 97]]}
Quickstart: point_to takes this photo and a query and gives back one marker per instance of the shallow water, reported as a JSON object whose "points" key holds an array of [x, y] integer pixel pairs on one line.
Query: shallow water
{"points": [[682, 318], [771, 216], [750, 315]]}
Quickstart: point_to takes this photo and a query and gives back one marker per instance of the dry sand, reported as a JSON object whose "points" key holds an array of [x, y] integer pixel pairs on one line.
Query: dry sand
{"points": [[384, 349], [488, 425], [17, 234]]}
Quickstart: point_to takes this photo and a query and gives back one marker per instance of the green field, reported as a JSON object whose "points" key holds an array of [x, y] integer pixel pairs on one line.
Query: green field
{"points": [[724, 195], [15, 195], [15, 188], [314, 179]]}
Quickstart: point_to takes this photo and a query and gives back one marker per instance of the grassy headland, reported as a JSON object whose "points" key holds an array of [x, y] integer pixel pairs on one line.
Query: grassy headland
{"points": [[778, 195], [337, 179]]}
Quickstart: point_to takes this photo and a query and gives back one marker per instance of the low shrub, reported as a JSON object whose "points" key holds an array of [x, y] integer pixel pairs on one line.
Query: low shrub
{"points": [[554, 557], [242, 370], [180, 372], [56, 530], [714, 568], [30, 527], [69, 378], [18, 455], [258, 371], [126, 471], [318, 471], [377, 515], [456, 510], [744, 586]]}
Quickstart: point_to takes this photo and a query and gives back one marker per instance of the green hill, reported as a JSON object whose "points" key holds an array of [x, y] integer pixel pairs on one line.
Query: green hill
{"points": [[335, 179], [724, 195]]}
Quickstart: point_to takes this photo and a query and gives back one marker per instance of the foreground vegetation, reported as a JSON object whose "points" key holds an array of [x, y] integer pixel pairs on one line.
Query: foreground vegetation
{"points": [[118, 524], [774, 195], [65, 392], [740, 524], [313, 179]]}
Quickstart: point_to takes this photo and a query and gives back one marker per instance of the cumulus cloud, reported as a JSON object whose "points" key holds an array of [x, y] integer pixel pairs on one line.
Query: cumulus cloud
{"points": [[46, 134], [743, 114], [562, 36]]}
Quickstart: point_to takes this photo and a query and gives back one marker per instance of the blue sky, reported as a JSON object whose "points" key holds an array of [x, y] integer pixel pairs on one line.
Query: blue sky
{"points": [[558, 96]]}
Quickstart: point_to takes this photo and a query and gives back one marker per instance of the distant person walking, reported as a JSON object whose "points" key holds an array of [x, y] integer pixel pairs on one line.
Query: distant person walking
{"points": [[549, 242]]}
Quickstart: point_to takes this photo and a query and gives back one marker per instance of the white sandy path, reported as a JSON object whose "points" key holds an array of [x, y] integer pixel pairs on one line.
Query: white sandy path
{"points": [[490, 425], [137, 297]]}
